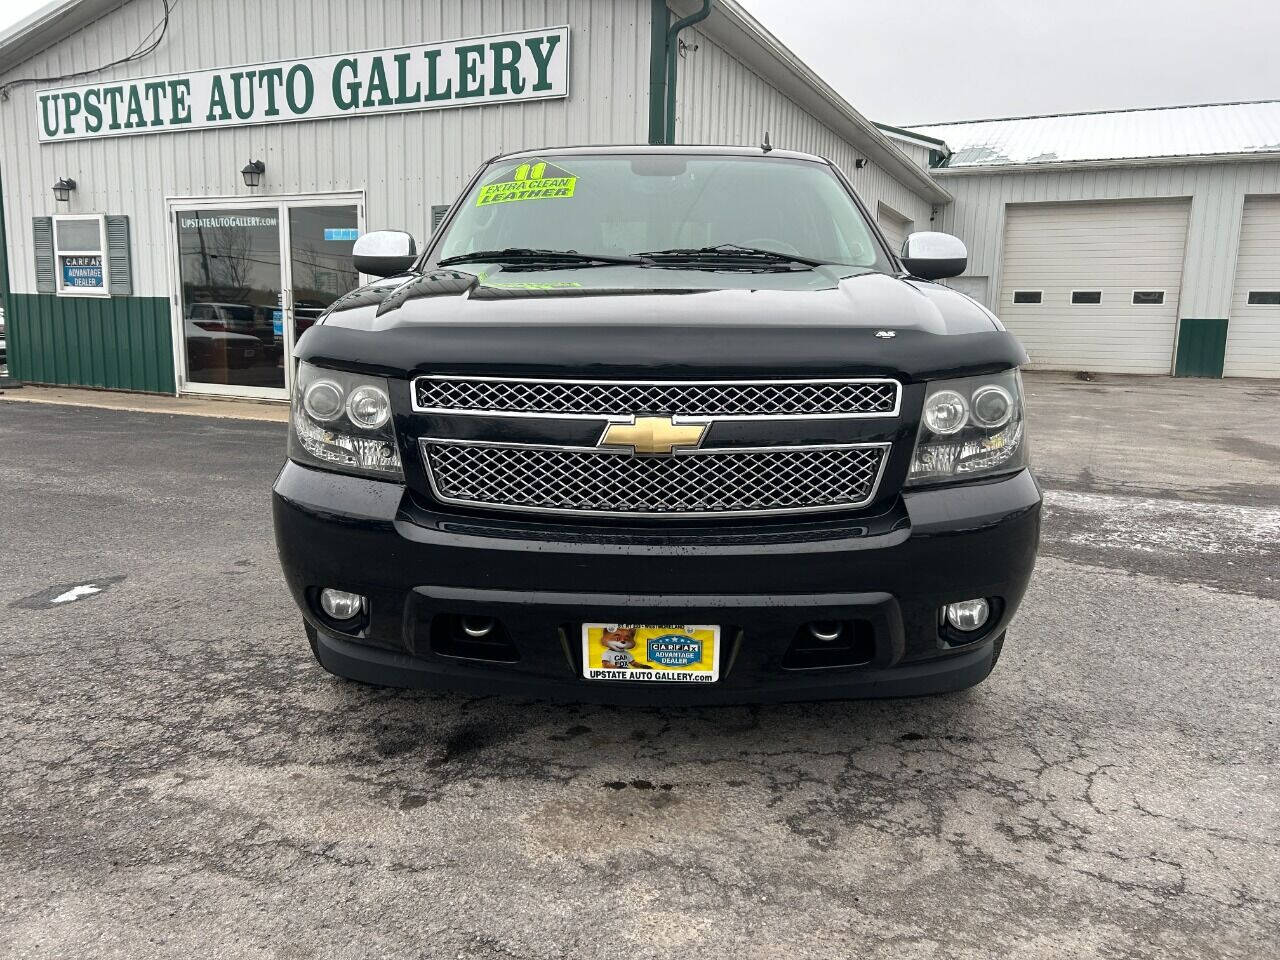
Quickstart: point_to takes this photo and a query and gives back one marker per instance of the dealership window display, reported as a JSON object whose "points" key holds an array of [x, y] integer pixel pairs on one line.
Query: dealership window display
{"points": [[81, 266]]}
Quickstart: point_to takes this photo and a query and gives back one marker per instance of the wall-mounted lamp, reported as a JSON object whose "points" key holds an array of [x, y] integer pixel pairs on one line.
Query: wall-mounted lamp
{"points": [[62, 189], [859, 163], [252, 172]]}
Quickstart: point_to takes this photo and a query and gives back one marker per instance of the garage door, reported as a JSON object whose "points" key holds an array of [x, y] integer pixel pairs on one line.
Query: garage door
{"points": [[1253, 333], [1094, 286], [895, 227]]}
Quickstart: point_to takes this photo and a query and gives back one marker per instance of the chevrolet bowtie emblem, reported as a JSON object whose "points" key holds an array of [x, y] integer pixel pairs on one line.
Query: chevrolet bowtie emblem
{"points": [[653, 435]]}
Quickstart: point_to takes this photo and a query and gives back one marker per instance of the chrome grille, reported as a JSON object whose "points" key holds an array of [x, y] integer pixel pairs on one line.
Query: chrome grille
{"points": [[585, 481], [780, 398]]}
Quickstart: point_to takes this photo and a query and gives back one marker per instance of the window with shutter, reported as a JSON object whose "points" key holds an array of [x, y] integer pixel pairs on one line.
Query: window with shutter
{"points": [[42, 231], [119, 267]]}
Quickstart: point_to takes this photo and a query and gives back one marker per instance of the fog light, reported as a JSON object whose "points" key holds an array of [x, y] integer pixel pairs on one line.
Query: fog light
{"points": [[339, 604], [968, 615]]}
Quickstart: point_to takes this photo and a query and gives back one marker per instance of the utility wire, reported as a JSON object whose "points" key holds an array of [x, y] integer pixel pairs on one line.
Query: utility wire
{"points": [[144, 48]]}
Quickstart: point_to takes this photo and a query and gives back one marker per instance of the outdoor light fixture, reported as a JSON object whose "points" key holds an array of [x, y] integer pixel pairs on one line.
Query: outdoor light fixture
{"points": [[252, 172], [62, 189]]}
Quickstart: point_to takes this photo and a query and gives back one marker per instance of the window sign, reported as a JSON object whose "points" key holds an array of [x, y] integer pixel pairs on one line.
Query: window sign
{"points": [[80, 253], [83, 271], [530, 65]]}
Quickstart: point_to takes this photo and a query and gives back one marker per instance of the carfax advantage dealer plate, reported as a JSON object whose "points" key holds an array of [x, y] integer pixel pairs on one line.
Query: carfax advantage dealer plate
{"points": [[662, 653]]}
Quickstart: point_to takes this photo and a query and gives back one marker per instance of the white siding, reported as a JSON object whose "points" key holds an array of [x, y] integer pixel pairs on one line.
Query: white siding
{"points": [[1055, 249], [895, 226], [720, 100], [1217, 192], [1253, 333], [403, 162]]}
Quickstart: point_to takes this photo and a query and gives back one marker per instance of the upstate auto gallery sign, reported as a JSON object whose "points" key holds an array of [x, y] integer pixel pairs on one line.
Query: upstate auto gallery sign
{"points": [[532, 65]]}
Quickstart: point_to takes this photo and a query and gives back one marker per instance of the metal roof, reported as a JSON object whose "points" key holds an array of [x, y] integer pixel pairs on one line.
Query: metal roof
{"points": [[1163, 132]]}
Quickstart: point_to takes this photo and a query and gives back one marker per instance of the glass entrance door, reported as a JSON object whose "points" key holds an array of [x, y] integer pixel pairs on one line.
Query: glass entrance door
{"points": [[321, 239], [252, 278], [229, 268]]}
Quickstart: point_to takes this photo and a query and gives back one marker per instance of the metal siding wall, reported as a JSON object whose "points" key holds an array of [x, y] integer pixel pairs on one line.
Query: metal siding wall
{"points": [[404, 162], [1217, 193], [719, 100]]}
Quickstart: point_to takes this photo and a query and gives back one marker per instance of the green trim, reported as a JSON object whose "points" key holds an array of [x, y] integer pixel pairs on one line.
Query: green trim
{"points": [[1202, 347], [903, 131], [118, 343], [660, 20]]}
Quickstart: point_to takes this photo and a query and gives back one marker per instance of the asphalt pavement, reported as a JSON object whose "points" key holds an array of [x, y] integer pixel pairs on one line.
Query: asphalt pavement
{"points": [[179, 779]]}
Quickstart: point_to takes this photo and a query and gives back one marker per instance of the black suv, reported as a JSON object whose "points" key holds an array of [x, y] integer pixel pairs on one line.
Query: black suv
{"points": [[658, 424]]}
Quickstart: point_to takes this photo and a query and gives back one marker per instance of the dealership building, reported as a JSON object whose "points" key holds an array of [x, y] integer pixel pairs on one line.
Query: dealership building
{"points": [[182, 183], [1133, 241], [215, 184]]}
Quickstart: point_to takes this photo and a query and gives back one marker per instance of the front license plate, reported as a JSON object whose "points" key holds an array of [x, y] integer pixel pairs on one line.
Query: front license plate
{"points": [[637, 651]]}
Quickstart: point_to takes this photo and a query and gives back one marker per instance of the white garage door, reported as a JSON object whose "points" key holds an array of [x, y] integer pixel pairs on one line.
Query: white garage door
{"points": [[895, 227], [1094, 286], [1253, 332]]}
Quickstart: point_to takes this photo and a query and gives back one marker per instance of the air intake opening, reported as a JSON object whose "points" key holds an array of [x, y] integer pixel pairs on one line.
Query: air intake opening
{"points": [[824, 644], [472, 638]]}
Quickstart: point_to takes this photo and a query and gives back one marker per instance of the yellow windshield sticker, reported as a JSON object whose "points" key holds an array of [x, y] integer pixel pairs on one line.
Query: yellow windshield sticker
{"points": [[529, 181]]}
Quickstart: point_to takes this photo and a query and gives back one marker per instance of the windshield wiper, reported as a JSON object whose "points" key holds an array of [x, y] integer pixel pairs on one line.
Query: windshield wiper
{"points": [[732, 251], [523, 255]]}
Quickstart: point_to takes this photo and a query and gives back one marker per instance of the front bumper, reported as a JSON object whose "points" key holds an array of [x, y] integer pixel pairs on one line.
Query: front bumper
{"points": [[889, 574]]}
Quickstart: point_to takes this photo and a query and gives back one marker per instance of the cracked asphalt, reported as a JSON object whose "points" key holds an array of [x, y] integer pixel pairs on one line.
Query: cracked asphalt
{"points": [[179, 779]]}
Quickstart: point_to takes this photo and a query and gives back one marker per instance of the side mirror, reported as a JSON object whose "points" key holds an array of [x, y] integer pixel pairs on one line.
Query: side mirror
{"points": [[384, 253], [934, 256]]}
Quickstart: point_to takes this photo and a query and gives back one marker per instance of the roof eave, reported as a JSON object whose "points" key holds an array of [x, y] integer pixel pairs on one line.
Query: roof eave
{"points": [[1058, 166]]}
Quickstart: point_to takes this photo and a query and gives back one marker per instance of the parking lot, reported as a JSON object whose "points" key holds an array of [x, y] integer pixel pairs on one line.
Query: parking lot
{"points": [[180, 778]]}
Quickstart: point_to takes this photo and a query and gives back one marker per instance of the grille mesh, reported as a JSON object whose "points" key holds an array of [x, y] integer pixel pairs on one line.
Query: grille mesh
{"points": [[590, 482], [807, 398]]}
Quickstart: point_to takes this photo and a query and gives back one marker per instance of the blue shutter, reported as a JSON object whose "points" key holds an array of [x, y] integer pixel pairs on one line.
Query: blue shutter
{"points": [[42, 232], [120, 267]]}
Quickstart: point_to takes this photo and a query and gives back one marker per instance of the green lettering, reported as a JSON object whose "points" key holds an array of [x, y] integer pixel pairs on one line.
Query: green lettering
{"points": [[377, 84], [299, 101], [433, 91], [49, 119], [218, 101], [244, 110], [271, 80], [541, 58], [70, 107], [470, 58], [113, 95], [92, 111], [135, 117], [506, 55], [353, 86], [155, 90], [402, 80], [180, 110]]}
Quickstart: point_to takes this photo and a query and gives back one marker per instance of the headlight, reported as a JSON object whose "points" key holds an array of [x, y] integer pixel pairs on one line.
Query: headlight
{"points": [[342, 421], [970, 428]]}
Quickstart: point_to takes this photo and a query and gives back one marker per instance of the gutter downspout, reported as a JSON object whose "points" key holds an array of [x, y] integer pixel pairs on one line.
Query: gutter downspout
{"points": [[660, 18], [673, 49]]}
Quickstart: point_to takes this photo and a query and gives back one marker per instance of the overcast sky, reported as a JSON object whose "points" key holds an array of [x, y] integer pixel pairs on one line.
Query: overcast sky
{"points": [[934, 60]]}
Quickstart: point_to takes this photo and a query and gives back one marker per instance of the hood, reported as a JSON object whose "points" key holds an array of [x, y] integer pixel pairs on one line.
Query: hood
{"points": [[656, 322]]}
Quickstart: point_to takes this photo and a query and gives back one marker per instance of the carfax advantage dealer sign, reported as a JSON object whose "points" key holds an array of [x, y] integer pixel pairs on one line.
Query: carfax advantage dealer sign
{"points": [[532, 65]]}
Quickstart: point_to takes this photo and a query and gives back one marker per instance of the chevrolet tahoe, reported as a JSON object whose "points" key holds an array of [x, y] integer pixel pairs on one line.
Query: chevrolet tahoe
{"points": [[658, 425]]}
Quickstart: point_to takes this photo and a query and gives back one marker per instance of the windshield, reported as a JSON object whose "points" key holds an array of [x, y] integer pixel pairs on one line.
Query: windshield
{"points": [[623, 205]]}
